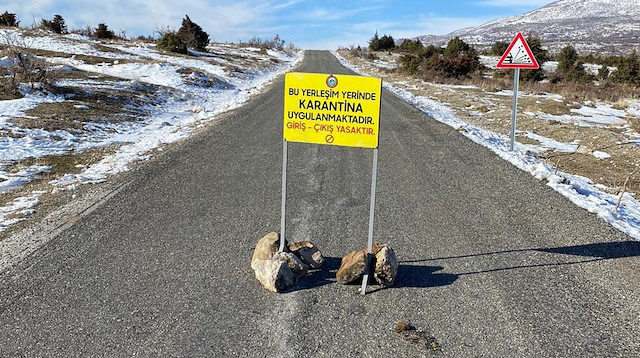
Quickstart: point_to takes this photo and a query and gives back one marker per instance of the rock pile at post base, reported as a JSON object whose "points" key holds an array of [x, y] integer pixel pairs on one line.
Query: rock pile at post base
{"points": [[384, 266], [277, 271]]}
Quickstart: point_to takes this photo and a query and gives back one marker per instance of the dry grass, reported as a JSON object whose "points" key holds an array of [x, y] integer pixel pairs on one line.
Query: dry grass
{"points": [[91, 60], [103, 106], [72, 163], [584, 92], [7, 90]]}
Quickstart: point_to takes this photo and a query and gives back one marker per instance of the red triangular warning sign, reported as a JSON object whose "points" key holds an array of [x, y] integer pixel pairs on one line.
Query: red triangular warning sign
{"points": [[518, 55]]}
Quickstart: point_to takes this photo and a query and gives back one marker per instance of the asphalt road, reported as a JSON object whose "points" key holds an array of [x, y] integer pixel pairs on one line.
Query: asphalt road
{"points": [[494, 263]]}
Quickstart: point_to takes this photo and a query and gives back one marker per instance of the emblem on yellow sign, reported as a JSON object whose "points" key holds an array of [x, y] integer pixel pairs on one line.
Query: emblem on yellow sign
{"points": [[332, 109]]}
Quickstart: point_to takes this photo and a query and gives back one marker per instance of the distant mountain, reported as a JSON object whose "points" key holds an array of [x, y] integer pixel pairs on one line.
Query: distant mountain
{"points": [[611, 26]]}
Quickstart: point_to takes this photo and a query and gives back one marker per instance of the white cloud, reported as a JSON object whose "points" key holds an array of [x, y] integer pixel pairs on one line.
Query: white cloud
{"points": [[286, 5], [324, 14]]}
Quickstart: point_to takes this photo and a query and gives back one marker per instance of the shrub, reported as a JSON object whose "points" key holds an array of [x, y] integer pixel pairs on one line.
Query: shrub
{"points": [[431, 50], [455, 46], [363, 53], [170, 41], [541, 56], [409, 64], [9, 19], [460, 59], [603, 73], [628, 70], [24, 67], [374, 42], [386, 42], [499, 48], [457, 60], [567, 59], [579, 74], [85, 31], [145, 38], [56, 25], [193, 35], [410, 46], [569, 68], [276, 43], [461, 66], [103, 32]]}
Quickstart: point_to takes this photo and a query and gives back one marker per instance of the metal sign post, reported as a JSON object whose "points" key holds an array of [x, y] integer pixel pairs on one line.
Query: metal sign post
{"points": [[516, 80], [283, 210], [517, 56], [372, 208]]}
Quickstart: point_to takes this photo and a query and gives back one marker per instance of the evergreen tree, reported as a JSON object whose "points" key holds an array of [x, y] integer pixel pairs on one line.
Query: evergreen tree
{"points": [[171, 42], [9, 19], [59, 24], [411, 46], [499, 48], [374, 43], [577, 73], [567, 59], [387, 43], [56, 25], [455, 46], [103, 32], [541, 56], [603, 73], [431, 51], [628, 70], [193, 35]]}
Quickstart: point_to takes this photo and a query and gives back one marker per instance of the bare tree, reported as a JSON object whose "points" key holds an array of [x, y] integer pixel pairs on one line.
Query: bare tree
{"points": [[162, 30], [23, 65]]}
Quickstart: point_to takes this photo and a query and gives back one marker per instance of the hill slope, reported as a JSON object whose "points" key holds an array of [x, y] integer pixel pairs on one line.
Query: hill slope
{"points": [[590, 25], [110, 104]]}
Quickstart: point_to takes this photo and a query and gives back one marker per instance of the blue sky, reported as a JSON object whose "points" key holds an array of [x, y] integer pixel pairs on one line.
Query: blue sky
{"points": [[308, 24]]}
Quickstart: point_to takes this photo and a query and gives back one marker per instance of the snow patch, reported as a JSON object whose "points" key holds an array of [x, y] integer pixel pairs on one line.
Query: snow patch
{"points": [[18, 210], [597, 115], [553, 144], [601, 155]]}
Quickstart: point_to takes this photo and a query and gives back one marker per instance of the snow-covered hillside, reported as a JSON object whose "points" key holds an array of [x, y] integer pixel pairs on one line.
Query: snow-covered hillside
{"points": [[590, 25], [118, 101]]}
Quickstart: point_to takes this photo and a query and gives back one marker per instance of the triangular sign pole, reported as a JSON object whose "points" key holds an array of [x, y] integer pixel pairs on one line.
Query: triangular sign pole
{"points": [[518, 56]]}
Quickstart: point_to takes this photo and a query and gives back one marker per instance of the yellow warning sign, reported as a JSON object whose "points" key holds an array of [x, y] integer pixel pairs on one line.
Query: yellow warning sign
{"points": [[332, 109]]}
